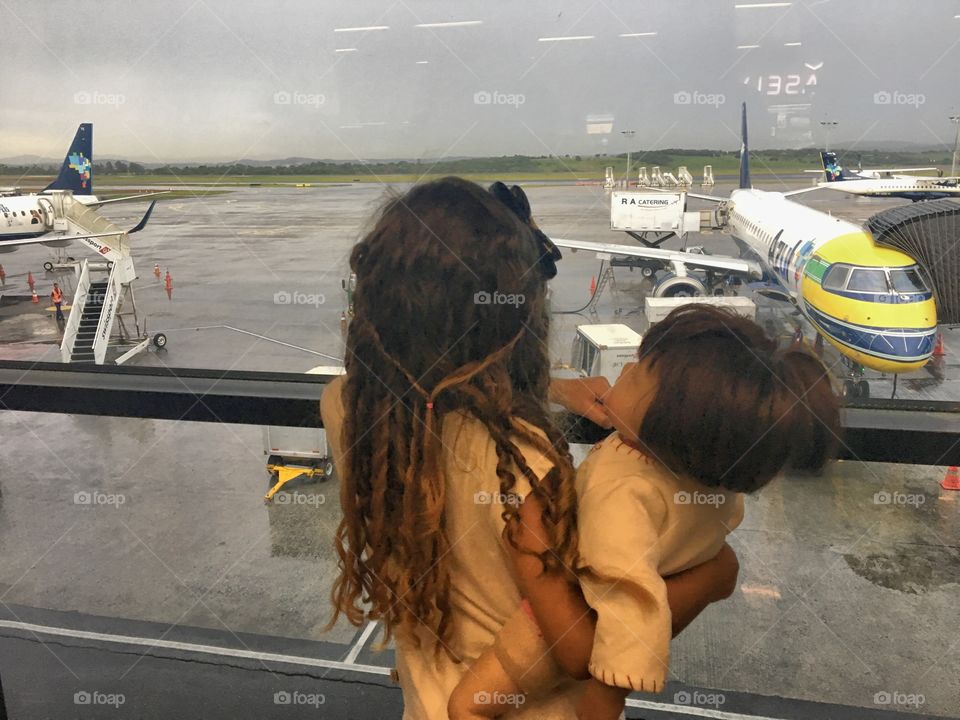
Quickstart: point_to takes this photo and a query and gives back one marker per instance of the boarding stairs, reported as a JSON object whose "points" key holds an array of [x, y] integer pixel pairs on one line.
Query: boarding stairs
{"points": [[103, 287]]}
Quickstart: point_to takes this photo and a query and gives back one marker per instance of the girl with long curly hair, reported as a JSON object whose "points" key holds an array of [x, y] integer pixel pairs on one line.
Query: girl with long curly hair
{"points": [[440, 427]]}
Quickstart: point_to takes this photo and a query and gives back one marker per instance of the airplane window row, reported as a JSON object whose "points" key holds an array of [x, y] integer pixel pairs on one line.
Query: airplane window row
{"points": [[875, 280]]}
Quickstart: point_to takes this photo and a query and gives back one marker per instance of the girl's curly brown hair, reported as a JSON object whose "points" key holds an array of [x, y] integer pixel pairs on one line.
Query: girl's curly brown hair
{"points": [[436, 331]]}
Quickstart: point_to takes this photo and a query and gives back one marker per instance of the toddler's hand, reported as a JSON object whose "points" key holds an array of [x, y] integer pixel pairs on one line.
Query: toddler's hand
{"points": [[583, 396]]}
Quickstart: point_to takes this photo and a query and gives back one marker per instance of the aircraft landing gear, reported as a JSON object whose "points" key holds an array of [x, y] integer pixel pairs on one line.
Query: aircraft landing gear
{"points": [[855, 389]]}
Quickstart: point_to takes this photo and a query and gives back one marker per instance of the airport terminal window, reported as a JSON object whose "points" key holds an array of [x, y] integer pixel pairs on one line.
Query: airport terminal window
{"points": [[244, 265]]}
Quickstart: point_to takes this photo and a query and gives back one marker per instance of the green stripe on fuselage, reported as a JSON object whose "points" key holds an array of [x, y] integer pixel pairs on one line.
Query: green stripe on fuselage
{"points": [[815, 268]]}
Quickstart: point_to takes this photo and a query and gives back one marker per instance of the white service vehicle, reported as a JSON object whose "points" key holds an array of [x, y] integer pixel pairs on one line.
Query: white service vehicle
{"points": [[295, 451], [603, 350], [657, 308]]}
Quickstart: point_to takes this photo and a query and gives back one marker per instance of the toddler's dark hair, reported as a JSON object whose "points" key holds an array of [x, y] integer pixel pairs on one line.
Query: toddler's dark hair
{"points": [[731, 409]]}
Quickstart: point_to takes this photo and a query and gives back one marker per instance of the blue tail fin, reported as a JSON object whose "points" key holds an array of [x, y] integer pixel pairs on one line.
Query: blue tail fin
{"points": [[832, 167], [76, 173], [744, 152]]}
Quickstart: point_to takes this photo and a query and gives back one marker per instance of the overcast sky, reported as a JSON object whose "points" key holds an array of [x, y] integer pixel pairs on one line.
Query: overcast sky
{"points": [[218, 79]]}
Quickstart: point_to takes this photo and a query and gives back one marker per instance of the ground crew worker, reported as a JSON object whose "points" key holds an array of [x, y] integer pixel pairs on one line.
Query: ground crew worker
{"points": [[57, 297]]}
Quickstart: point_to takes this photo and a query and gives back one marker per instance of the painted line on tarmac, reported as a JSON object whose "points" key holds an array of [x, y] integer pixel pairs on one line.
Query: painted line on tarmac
{"points": [[351, 658], [194, 648], [257, 335]]}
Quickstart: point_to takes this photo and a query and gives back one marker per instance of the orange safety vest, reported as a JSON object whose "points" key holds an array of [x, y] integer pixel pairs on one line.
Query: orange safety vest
{"points": [[57, 295]]}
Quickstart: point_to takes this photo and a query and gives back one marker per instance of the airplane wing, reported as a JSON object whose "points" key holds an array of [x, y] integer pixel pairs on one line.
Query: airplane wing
{"points": [[695, 260], [78, 232], [788, 193], [139, 196], [892, 172]]}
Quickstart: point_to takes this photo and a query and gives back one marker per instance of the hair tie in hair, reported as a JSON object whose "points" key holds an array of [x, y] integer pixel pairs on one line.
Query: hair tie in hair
{"points": [[516, 199]]}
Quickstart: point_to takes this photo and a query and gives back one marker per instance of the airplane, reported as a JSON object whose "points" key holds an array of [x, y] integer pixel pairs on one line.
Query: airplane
{"points": [[887, 182], [872, 303], [40, 217]]}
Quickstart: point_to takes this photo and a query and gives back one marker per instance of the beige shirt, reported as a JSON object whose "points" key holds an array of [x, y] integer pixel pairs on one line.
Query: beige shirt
{"points": [[483, 592], [639, 522]]}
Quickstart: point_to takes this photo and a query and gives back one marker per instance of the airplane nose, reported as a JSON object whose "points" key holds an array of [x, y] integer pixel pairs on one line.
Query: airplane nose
{"points": [[866, 301]]}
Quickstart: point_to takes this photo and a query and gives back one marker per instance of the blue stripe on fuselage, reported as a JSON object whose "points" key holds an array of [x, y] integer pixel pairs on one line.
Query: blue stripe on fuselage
{"points": [[898, 344]]}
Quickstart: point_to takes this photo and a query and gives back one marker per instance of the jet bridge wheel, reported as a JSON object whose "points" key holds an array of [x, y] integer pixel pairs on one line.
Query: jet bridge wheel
{"points": [[672, 285]]}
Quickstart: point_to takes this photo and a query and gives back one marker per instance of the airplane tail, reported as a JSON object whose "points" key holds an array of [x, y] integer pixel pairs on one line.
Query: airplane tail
{"points": [[76, 172], [832, 168], [744, 152]]}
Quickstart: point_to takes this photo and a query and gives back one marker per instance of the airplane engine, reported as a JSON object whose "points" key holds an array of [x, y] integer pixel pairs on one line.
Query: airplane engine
{"points": [[673, 285]]}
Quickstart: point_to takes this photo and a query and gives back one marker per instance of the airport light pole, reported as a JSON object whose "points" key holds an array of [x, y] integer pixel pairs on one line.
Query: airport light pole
{"points": [[955, 119], [827, 126], [629, 135]]}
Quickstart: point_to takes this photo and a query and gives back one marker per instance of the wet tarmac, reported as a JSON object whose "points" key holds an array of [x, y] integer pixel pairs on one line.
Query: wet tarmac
{"points": [[849, 583]]}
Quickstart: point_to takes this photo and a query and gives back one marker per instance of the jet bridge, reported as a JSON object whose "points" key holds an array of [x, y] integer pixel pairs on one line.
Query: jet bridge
{"points": [[928, 232]]}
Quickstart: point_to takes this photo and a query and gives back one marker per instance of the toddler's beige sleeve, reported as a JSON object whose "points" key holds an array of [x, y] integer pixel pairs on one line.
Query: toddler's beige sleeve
{"points": [[620, 522]]}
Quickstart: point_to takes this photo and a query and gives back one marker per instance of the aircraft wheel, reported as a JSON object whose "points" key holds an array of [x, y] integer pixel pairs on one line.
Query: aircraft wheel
{"points": [[48, 266], [863, 389], [160, 340]]}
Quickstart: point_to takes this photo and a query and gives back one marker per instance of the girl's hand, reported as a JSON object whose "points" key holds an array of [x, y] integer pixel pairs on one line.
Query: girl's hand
{"points": [[583, 396]]}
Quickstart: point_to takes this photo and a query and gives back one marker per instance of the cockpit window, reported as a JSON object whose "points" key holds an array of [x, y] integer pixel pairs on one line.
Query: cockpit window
{"points": [[908, 280], [872, 281], [836, 277]]}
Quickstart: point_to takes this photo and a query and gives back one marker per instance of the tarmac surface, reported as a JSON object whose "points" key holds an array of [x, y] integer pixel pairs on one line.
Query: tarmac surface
{"points": [[138, 559]]}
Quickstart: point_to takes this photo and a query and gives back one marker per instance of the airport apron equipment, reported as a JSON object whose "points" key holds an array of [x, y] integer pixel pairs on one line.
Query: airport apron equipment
{"points": [[875, 430], [928, 232]]}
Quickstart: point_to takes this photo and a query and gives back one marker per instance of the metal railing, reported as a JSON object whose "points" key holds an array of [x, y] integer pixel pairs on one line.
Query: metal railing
{"points": [[925, 433]]}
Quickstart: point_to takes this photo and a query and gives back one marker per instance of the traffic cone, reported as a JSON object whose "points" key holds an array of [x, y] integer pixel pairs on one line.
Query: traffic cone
{"points": [[3, 275], [35, 299], [156, 270], [951, 481], [938, 350], [593, 284], [168, 281], [30, 281]]}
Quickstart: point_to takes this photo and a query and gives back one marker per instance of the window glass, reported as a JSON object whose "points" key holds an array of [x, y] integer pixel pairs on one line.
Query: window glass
{"points": [[864, 280]]}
